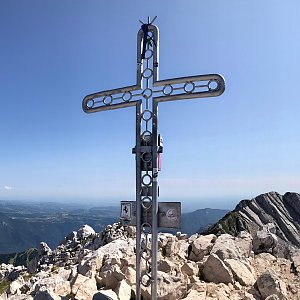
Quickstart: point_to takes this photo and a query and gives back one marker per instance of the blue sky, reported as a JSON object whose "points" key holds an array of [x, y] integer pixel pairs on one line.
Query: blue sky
{"points": [[216, 151]]}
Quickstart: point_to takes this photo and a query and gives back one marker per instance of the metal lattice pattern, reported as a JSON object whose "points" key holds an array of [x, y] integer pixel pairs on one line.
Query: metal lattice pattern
{"points": [[145, 96]]}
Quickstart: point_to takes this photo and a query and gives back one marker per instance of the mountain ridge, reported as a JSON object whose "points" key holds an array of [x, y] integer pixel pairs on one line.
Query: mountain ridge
{"points": [[281, 212]]}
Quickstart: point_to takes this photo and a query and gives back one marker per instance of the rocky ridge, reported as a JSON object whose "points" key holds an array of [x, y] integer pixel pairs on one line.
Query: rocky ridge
{"points": [[89, 265], [280, 212]]}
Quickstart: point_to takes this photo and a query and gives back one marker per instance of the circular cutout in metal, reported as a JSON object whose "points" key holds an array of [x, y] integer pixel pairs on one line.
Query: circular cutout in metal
{"points": [[126, 96], [146, 157], [213, 85], [189, 87], [108, 100], [146, 179], [147, 93], [168, 89], [146, 228], [90, 103], [146, 136], [146, 115], [148, 53], [146, 280], [146, 202], [147, 73]]}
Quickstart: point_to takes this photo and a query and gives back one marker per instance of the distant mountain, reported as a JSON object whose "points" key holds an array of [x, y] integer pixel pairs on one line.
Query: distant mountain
{"points": [[19, 259], [250, 215], [23, 227], [200, 219]]}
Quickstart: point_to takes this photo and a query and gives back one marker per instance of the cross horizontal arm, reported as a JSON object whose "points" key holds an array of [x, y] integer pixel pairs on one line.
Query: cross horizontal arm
{"points": [[106, 100], [210, 85]]}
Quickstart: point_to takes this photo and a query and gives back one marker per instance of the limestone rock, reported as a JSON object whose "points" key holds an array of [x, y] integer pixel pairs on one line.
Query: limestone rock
{"points": [[296, 261], [190, 269], [91, 263], [123, 290], [229, 247], [169, 287], [195, 295], [240, 272], [46, 295], [216, 271], [44, 249], [85, 232], [166, 266], [265, 240], [130, 275], [201, 246], [269, 284], [83, 286]]}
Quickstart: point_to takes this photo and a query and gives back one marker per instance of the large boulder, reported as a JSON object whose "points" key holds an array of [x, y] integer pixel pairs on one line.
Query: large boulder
{"points": [[265, 240], [269, 284], [201, 246], [229, 247], [241, 272], [215, 270], [169, 287], [85, 232], [123, 290]]}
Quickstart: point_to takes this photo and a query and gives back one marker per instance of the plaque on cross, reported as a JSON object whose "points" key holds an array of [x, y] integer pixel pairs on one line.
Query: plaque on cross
{"points": [[145, 96]]}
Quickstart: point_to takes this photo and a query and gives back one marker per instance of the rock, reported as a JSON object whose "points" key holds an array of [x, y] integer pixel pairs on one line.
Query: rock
{"points": [[269, 284], [83, 287], [105, 295], [169, 287], [265, 240], [85, 232], [46, 295], [167, 242], [190, 269], [165, 266], [15, 273], [63, 288], [86, 290], [15, 286], [216, 271], [251, 215], [229, 247], [91, 263], [130, 275], [44, 249], [219, 291], [123, 290], [296, 261], [195, 295], [240, 272], [273, 297], [202, 246]]}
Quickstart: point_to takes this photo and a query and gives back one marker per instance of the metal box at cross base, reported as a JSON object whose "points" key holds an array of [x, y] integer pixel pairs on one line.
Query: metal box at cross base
{"points": [[169, 214]]}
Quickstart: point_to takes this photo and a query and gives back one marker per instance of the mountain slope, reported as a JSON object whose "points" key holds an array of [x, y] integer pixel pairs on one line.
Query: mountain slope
{"points": [[251, 215], [200, 219]]}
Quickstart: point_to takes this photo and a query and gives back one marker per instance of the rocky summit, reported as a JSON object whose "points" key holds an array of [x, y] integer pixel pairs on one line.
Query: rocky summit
{"points": [[89, 265]]}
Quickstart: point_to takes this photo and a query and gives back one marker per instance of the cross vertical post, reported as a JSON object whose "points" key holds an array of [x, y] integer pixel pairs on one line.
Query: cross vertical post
{"points": [[145, 95]]}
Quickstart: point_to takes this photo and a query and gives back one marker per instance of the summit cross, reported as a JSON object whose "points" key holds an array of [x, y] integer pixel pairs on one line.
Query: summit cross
{"points": [[145, 95]]}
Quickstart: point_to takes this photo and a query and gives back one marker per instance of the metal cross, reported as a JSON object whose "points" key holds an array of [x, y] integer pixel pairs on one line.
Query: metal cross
{"points": [[145, 96]]}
